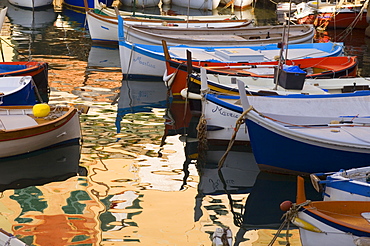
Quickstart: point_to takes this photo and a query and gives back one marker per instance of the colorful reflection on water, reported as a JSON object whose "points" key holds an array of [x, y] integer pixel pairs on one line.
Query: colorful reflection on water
{"points": [[134, 180]]}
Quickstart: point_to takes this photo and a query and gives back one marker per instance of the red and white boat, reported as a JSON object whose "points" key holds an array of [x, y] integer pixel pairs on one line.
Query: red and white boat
{"points": [[327, 14], [323, 67]]}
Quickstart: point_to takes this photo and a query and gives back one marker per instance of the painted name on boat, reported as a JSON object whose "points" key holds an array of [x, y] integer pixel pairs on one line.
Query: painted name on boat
{"points": [[148, 64], [224, 113]]}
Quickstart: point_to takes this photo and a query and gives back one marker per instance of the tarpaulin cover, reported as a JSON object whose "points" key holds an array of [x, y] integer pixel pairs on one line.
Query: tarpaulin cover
{"points": [[292, 69]]}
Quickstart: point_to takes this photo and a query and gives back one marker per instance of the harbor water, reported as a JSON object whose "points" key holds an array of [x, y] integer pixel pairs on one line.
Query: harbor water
{"points": [[135, 178]]}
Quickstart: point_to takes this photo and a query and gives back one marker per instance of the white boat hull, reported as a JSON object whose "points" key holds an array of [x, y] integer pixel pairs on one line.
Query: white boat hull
{"points": [[223, 120], [31, 4], [198, 4], [140, 3], [140, 65], [333, 194]]}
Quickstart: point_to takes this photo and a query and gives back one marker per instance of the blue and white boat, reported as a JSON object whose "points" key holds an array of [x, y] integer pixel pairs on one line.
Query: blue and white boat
{"points": [[301, 144], [222, 111], [140, 61], [17, 90], [345, 185]]}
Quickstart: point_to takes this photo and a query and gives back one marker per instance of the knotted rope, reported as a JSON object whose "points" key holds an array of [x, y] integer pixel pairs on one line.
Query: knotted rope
{"points": [[288, 217]]}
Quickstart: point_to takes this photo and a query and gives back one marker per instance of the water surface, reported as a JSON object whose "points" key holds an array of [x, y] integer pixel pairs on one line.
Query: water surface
{"points": [[135, 179]]}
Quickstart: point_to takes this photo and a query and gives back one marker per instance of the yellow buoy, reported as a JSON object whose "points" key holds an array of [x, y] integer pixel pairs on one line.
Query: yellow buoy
{"points": [[41, 110]]}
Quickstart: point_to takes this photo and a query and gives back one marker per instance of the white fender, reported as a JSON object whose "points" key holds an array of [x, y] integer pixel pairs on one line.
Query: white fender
{"points": [[190, 95], [168, 79]]}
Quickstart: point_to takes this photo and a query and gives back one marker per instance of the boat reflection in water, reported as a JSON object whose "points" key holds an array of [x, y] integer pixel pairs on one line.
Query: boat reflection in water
{"points": [[140, 96], [255, 196], [104, 56], [40, 167], [31, 21], [36, 214], [262, 207], [238, 172]]}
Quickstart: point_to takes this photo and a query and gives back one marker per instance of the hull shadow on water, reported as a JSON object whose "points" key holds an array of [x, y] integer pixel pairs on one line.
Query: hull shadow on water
{"points": [[41, 167]]}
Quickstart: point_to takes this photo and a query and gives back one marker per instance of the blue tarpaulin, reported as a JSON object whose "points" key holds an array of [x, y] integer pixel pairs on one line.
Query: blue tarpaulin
{"points": [[292, 69]]}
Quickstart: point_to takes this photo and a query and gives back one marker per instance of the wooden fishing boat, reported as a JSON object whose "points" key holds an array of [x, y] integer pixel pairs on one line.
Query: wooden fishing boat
{"points": [[22, 131], [103, 28], [17, 90], [324, 67], [104, 9], [318, 147], [332, 14], [38, 71], [342, 223], [222, 111], [344, 185], [197, 4], [7, 238], [140, 61], [248, 35], [31, 4]]}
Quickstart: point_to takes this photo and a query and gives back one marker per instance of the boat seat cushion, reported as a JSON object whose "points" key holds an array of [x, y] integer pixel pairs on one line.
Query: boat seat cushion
{"points": [[11, 122]]}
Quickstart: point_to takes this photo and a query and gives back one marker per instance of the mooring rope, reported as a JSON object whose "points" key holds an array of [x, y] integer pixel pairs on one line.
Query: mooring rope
{"points": [[238, 123], [202, 141], [288, 217]]}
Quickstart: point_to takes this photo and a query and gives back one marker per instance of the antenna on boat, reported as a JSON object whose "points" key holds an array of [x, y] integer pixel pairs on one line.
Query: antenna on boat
{"points": [[283, 45], [287, 34], [280, 62]]}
